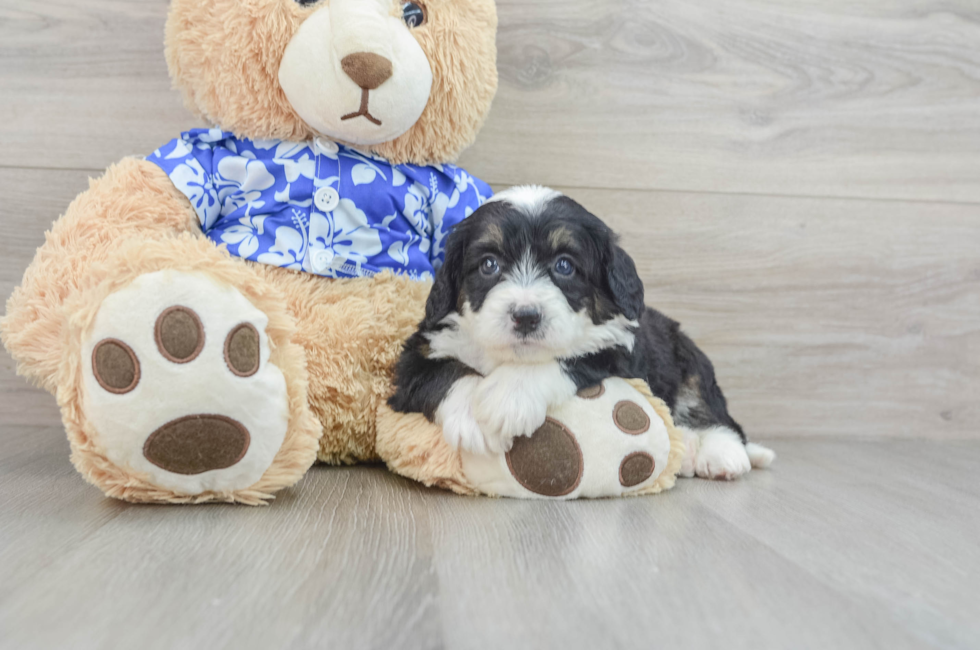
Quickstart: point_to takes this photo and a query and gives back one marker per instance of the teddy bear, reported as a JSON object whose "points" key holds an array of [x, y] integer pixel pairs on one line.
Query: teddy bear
{"points": [[214, 317], [218, 315]]}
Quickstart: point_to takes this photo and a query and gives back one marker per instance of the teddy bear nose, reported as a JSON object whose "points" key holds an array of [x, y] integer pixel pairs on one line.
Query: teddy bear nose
{"points": [[367, 69]]}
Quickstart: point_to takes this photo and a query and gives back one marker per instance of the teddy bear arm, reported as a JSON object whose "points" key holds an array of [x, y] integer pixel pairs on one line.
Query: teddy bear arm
{"points": [[133, 199]]}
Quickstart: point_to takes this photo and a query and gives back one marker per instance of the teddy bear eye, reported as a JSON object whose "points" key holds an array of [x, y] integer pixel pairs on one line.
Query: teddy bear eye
{"points": [[306, 3], [413, 14]]}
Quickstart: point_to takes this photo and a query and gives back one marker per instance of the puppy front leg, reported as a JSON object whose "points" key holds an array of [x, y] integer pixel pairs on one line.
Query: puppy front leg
{"points": [[513, 400], [455, 416], [441, 389]]}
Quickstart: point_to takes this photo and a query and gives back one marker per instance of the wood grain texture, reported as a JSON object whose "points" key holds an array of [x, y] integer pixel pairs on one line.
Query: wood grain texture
{"points": [[809, 97], [85, 83], [871, 99], [833, 317], [823, 317], [843, 545]]}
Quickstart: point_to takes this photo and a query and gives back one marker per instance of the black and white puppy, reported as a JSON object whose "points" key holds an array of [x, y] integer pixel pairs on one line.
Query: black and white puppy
{"points": [[535, 301]]}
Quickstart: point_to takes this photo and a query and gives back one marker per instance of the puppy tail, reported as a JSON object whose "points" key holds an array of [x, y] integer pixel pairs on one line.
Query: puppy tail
{"points": [[759, 456]]}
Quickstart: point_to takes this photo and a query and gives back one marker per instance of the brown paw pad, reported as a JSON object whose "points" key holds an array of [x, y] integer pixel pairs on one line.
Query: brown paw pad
{"points": [[631, 418], [549, 462], [242, 350], [179, 334], [636, 468], [115, 366], [592, 392], [197, 443]]}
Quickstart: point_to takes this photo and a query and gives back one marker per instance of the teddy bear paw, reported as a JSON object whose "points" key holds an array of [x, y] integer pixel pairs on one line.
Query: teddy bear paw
{"points": [[607, 441], [179, 388]]}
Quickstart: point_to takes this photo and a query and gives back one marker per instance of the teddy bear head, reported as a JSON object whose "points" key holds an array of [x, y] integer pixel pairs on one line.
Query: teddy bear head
{"points": [[411, 81]]}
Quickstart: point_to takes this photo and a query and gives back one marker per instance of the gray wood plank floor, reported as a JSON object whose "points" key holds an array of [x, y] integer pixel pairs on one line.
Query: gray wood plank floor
{"points": [[799, 183], [844, 544]]}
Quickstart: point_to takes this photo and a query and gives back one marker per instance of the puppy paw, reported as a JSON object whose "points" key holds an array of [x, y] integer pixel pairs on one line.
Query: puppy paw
{"points": [[504, 412], [692, 444], [722, 455], [455, 415]]}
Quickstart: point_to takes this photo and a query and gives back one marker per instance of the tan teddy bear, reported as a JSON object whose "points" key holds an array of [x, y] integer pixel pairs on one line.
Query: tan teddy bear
{"points": [[213, 316]]}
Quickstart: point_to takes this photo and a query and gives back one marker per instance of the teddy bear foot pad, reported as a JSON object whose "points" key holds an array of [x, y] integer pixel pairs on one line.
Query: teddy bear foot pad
{"points": [[608, 441], [179, 387]]}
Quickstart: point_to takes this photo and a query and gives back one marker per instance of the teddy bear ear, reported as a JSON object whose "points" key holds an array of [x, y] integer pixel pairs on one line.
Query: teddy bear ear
{"points": [[459, 39], [246, 99]]}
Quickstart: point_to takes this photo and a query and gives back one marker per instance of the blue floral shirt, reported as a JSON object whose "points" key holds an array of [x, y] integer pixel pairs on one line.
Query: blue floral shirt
{"points": [[318, 206]]}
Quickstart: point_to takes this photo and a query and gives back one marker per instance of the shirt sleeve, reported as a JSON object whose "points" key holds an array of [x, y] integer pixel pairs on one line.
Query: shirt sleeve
{"points": [[471, 193], [189, 162]]}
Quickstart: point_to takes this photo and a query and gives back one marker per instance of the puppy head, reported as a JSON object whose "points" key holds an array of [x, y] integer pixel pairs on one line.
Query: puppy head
{"points": [[412, 81], [532, 276]]}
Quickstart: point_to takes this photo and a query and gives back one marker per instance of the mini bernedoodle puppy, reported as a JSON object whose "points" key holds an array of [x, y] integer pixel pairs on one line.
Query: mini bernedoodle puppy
{"points": [[535, 301]]}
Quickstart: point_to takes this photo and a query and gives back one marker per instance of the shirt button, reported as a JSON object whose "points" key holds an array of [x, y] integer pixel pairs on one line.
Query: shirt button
{"points": [[327, 199], [322, 260], [326, 147]]}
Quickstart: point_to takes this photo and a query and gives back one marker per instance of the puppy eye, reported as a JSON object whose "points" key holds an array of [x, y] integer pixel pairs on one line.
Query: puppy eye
{"points": [[413, 13], [564, 267], [489, 266]]}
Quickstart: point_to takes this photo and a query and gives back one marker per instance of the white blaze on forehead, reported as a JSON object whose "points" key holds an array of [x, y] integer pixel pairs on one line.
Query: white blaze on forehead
{"points": [[530, 199], [525, 272]]}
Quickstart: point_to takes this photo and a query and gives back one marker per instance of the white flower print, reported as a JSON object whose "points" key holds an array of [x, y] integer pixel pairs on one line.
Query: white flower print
{"points": [[191, 179], [288, 251], [212, 136], [417, 208], [363, 174], [365, 171], [346, 232], [397, 177], [400, 250], [241, 182], [246, 234], [255, 197]]}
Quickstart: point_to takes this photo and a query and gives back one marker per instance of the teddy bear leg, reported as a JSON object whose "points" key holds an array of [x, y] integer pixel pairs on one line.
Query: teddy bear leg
{"points": [[187, 386], [133, 200]]}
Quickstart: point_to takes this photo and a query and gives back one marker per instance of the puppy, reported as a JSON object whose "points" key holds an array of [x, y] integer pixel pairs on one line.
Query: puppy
{"points": [[536, 301]]}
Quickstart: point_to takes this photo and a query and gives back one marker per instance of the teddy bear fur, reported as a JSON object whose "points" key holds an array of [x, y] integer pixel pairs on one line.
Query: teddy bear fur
{"points": [[333, 340], [415, 448], [224, 56]]}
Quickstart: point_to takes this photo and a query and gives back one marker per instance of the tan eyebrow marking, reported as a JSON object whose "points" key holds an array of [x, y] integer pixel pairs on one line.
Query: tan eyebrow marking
{"points": [[492, 235], [561, 238]]}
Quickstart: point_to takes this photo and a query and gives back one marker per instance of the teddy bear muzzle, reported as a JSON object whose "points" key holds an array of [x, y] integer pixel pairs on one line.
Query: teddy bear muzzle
{"points": [[354, 72]]}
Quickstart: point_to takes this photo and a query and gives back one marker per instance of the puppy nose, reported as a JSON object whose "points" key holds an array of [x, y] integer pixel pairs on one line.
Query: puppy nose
{"points": [[367, 69], [526, 320]]}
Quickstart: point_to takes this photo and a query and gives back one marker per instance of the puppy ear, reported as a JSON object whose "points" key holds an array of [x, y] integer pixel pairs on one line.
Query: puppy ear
{"points": [[624, 283], [445, 290]]}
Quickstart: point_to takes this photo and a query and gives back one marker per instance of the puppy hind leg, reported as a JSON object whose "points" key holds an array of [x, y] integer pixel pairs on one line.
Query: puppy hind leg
{"points": [[721, 455], [760, 457]]}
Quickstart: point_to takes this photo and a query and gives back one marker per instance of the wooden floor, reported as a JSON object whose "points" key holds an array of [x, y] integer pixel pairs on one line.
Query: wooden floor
{"points": [[842, 545], [799, 183]]}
